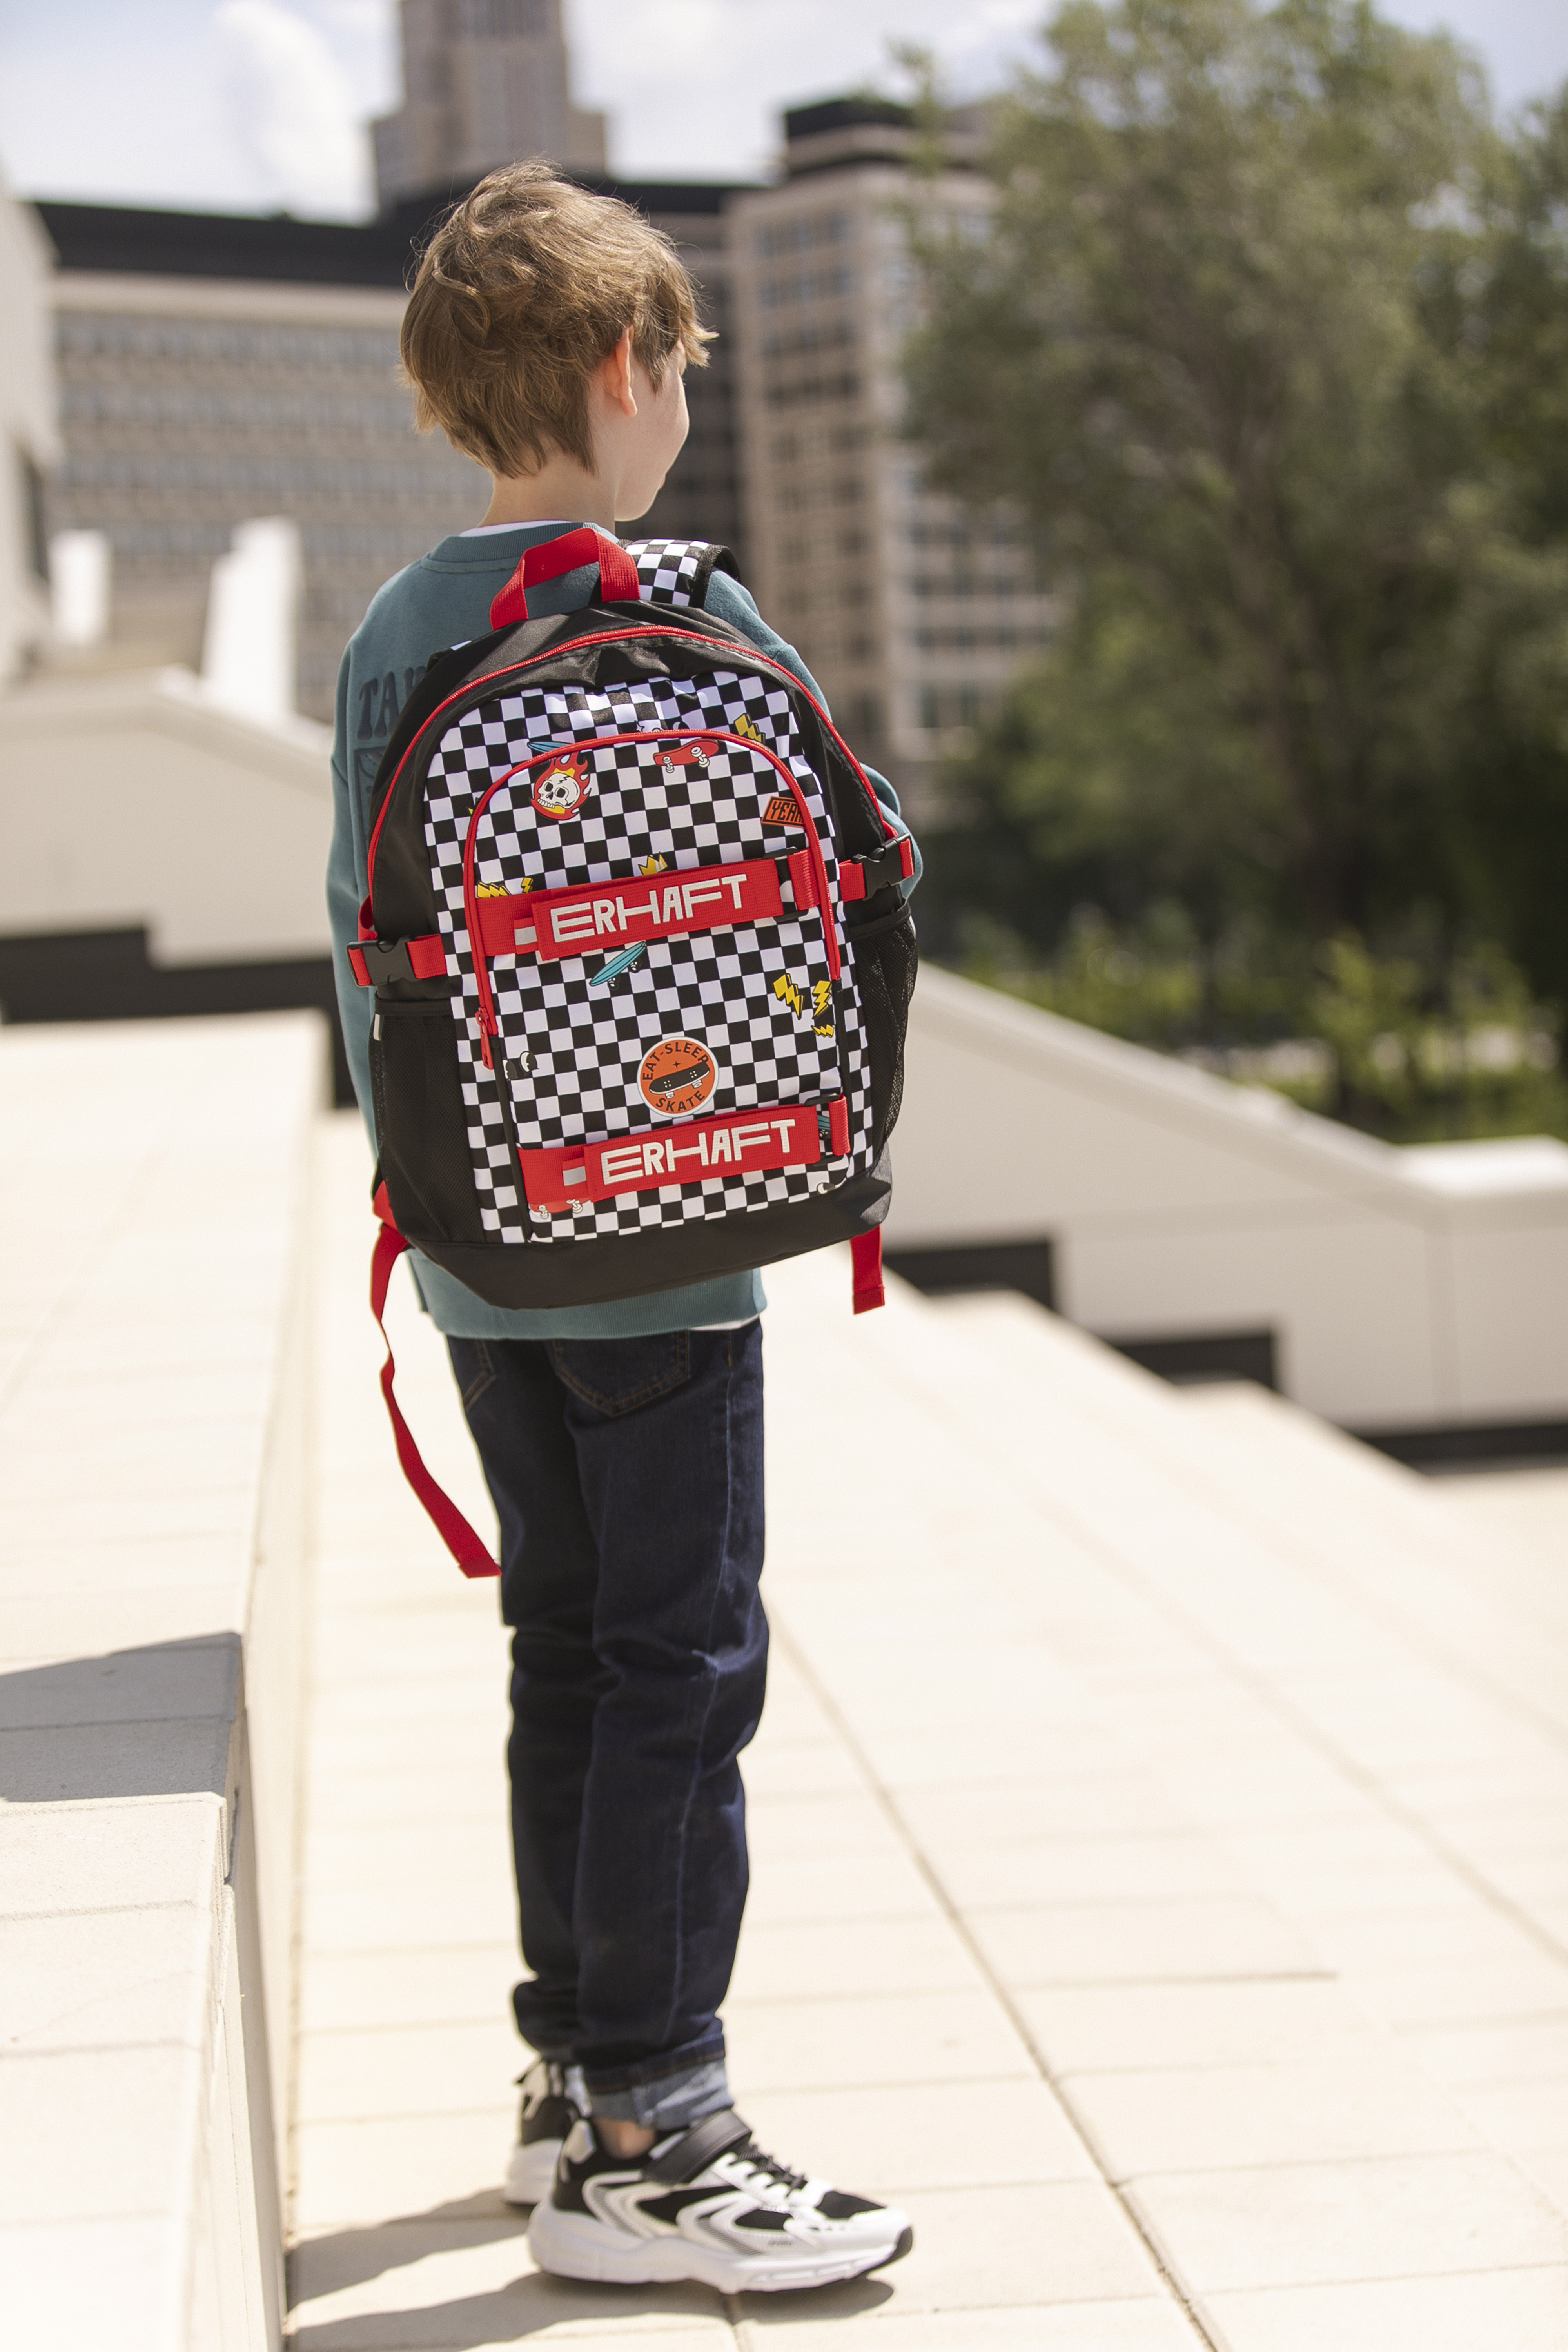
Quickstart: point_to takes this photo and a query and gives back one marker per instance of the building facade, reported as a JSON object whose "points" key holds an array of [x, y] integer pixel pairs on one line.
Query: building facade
{"points": [[913, 612], [704, 497], [216, 369], [28, 446], [483, 81]]}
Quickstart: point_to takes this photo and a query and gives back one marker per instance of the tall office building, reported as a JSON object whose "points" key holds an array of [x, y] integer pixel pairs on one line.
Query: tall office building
{"points": [[913, 612], [484, 81]]}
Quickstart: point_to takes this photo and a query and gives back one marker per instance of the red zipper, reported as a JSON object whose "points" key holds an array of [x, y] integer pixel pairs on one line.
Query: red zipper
{"points": [[488, 1025], [609, 637]]}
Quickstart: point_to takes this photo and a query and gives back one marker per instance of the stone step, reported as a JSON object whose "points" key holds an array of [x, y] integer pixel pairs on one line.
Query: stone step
{"points": [[1063, 1667]]}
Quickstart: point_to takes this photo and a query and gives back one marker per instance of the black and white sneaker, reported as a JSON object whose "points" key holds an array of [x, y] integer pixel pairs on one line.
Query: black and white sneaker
{"points": [[548, 2115], [706, 2204]]}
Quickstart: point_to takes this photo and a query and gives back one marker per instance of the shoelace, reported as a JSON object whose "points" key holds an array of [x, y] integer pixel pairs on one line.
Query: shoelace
{"points": [[756, 2160]]}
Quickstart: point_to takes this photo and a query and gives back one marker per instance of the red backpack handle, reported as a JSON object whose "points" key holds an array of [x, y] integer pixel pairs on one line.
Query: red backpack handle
{"points": [[618, 573]]}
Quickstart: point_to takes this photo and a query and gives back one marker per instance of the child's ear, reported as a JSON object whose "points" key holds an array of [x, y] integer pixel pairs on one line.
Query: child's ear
{"points": [[615, 374]]}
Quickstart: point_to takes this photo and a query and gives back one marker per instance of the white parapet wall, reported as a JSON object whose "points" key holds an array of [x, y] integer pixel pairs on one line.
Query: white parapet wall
{"points": [[154, 1433], [143, 798], [1403, 1288]]}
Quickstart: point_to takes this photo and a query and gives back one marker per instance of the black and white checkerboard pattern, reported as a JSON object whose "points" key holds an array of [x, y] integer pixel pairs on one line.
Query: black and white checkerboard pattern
{"points": [[571, 1052], [667, 568]]}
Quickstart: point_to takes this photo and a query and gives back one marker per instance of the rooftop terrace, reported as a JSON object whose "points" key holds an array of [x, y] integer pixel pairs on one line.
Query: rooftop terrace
{"points": [[1159, 1876]]}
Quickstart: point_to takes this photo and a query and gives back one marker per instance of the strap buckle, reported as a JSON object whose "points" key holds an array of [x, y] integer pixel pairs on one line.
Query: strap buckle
{"points": [[894, 864], [862, 877], [385, 960]]}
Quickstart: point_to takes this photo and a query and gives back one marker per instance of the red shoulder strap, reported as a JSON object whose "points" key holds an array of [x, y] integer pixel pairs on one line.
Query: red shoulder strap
{"points": [[449, 1523], [618, 573], [866, 1260]]}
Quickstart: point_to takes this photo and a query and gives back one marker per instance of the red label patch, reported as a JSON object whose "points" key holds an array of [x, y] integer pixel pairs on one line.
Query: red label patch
{"points": [[747, 1141], [677, 1076], [782, 810]]}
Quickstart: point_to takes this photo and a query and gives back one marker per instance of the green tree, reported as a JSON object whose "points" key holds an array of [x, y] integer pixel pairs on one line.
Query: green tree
{"points": [[1502, 310], [1219, 345]]}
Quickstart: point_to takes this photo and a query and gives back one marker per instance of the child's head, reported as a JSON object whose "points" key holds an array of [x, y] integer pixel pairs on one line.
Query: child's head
{"points": [[522, 294]]}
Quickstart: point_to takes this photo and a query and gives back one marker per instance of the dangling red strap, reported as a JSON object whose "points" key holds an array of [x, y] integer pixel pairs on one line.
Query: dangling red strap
{"points": [[866, 1257], [573, 552], [450, 1525]]}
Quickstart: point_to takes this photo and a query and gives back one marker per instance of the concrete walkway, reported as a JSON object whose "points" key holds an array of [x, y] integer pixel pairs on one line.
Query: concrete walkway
{"points": [[1157, 1875]]}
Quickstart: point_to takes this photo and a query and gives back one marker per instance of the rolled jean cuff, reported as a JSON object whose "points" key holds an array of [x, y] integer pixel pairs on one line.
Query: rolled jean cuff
{"points": [[663, 2102]]}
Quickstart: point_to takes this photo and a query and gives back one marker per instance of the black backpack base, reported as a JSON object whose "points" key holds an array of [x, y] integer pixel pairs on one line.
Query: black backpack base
{"points": [[634, 1266]]}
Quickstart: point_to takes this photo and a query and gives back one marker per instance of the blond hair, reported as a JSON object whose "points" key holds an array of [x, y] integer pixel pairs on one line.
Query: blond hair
{"points": [[523, 289]]}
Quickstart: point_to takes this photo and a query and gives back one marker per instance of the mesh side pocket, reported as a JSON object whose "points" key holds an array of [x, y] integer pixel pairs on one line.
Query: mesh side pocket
{"points": [[422, 1124], [886, 962]]}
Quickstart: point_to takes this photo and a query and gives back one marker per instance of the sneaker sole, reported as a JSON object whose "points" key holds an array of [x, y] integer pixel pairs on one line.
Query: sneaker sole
{"points": [[530, 2174], [574, 2245]]}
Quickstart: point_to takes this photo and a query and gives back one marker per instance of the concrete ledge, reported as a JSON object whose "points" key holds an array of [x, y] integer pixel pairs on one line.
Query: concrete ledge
{"points": [[154, 1420], [169, 788], [1402, 1289]]}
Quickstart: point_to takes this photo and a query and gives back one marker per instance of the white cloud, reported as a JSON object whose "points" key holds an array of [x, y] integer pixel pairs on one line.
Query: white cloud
{"points": [[694, 88], [364, 35], [297, 111], [138, 101], [115, 105]]}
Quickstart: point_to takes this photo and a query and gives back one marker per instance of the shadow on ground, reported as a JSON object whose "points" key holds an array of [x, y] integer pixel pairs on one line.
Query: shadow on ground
{"points": [[150, 1722], [525, 2307], [344, 2258]]}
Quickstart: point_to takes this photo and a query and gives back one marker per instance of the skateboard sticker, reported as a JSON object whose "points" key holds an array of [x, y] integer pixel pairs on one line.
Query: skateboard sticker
{"points": [[617, 966], [685, 755], [677, 1076]]}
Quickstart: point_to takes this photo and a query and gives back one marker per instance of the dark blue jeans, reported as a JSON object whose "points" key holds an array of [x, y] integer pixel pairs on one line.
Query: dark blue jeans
{"points": [[627, 1474]]}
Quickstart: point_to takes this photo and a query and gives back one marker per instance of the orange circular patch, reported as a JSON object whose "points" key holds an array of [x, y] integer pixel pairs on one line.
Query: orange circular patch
{"points": [[677, 1075]]}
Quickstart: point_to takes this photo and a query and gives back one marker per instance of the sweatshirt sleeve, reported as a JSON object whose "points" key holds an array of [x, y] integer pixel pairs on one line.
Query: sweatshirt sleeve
{"points": [[345, 889], [728, 601]]}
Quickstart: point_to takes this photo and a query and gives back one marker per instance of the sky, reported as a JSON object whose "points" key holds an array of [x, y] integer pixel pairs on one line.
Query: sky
{"points": [[260, 105]]}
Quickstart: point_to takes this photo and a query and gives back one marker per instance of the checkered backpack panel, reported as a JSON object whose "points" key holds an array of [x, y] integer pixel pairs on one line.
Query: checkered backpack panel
{"points": [[574, 1035], [677, 571], [617, 997]]}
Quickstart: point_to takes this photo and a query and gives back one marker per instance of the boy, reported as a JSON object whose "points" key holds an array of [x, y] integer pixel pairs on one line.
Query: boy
{"points": [[547, 334]]}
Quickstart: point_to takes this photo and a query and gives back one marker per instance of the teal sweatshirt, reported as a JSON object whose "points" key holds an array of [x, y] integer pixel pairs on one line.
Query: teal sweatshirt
{"points": [[445, 599]]}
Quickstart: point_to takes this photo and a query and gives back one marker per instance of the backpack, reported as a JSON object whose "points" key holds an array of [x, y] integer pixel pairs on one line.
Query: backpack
{"points": [[641, 960]]}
